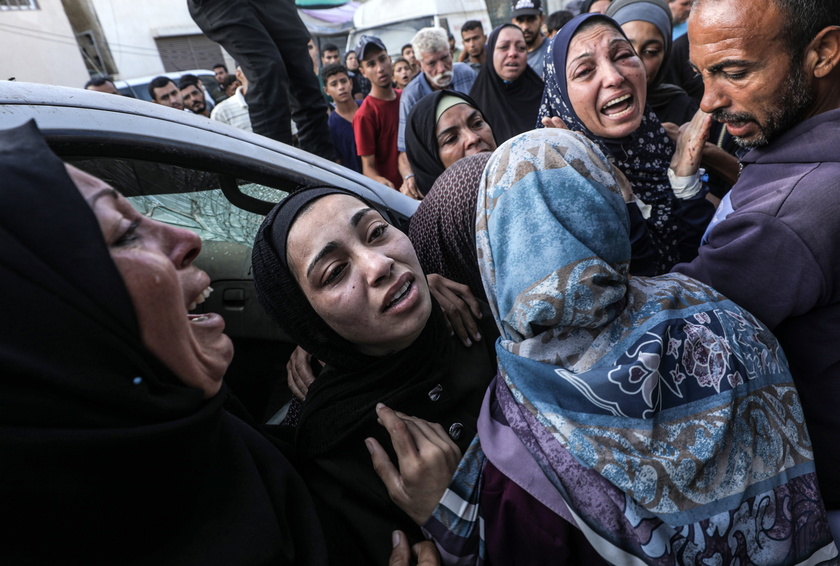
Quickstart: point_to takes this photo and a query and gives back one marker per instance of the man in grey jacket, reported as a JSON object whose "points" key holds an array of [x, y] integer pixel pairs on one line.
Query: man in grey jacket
{"points": [[771, 70]]}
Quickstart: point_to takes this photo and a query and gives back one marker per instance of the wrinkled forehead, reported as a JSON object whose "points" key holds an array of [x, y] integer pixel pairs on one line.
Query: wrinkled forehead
{"points": [[327, 220]]}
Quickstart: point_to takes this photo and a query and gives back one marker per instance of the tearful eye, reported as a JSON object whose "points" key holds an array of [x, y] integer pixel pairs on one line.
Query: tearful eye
{"points": [[333, 274], [129, 235]]}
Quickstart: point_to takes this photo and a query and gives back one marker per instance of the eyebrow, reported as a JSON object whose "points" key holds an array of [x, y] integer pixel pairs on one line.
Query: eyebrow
{"points": [[718, 67], [612, 42], [104, 192], [456, 126], [332, 246]]}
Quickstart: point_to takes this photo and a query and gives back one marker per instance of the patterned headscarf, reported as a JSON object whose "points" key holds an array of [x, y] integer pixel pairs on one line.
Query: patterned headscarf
{"points": [[443, 228], [663, 413], [644, 156]]}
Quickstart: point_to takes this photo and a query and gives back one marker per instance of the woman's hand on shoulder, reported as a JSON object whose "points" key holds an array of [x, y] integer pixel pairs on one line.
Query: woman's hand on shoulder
{"points": [[426, 458], [459, 306], [690, 144], [554, 122], [299, 374], [422, 554]]}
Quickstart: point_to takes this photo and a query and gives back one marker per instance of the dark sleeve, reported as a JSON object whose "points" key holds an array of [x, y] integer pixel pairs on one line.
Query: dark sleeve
{"points": [[760, 263], [693, 216], [642, 257]]}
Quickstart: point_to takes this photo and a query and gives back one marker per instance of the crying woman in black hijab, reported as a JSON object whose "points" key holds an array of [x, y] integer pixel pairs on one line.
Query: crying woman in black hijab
{"points": [[115, 445]]}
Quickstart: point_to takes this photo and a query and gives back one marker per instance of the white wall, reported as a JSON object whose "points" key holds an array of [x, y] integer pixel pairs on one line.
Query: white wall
{"points": [[39, 46], [130, 27]]}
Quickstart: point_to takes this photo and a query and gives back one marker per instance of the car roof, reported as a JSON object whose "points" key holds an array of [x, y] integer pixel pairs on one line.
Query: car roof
{"points": [[64, 113]]}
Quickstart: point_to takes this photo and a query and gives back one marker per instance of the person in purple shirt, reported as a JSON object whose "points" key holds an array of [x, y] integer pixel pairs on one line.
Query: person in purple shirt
{"points": [[771, 70]]}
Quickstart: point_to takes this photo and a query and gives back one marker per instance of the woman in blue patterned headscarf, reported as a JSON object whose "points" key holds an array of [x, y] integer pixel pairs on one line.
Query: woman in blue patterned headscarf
{"points": [[653, 414], [643, 153]]}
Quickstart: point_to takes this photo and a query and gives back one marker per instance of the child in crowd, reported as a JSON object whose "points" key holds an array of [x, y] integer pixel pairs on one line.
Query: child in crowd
{"points": [[337, 84]]}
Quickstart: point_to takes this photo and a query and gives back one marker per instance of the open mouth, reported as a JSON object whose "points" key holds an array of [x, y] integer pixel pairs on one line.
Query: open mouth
{"points": [[618, 107], [200, 298], [401, 293]]}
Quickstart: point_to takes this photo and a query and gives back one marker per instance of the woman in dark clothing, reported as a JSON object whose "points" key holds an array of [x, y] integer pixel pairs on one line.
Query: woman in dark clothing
{"points": [[442, 128], [348, 289], [507, 89], [614, 114], [115, 443], [647, 24], [443, 228]]}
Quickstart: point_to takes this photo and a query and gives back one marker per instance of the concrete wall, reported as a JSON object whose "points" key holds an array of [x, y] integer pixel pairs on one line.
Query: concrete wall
{"points": [[131, 27], [39, 46]]}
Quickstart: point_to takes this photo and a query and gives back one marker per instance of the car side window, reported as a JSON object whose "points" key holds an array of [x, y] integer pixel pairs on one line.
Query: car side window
{"points": [[184, 197]]}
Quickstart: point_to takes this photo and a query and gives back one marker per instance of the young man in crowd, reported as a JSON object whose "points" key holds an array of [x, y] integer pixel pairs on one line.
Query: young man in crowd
{"points": [[221, 72], [407, 53], [329, 55], [528, 16], [338, 85], [431, 45], [473, 38], [193, 95], [377, 120], [102, 84], [165, 92], [771, 70], [556, 20], [234, 110]]}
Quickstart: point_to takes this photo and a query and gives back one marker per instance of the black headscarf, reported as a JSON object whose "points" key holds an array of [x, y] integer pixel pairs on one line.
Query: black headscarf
{"points": [[511, 107], [106, 457], [421, 144], [343, 398]]}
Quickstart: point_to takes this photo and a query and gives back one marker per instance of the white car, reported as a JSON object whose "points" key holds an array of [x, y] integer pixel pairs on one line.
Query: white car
{"points": [[193, 172]]}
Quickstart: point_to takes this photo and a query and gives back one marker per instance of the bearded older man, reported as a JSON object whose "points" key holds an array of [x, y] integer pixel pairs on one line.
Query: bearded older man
{"points": [[431, 47], [771, 70]]}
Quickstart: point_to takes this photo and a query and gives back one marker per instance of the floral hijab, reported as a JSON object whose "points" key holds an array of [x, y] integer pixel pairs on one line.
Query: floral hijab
{"points": [[643, 157], [663, 413]]}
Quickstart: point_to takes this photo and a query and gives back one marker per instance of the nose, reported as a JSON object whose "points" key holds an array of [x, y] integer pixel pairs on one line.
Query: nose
{"points": [[471, 139], [713, 98], [611, 76], [376, 266], [182, 246]]}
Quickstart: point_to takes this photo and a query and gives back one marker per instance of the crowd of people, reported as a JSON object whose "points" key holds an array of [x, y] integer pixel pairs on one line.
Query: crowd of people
{"points": [[608, 337]]}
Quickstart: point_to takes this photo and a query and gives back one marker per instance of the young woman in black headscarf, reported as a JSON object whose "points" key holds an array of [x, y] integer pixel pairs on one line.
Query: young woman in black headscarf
{"points": [[442, 128], [348, 288], [507, 89], [115, 445]]}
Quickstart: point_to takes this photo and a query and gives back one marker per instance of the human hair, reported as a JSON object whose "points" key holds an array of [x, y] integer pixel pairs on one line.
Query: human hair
{"points": [[99, 81], [333, 69], [229, 80], [222, 65], [558, 19], [430, 40], [803, 20], [329, 47], [158, 82], [470, 25], [400, 60], [189, 80]]}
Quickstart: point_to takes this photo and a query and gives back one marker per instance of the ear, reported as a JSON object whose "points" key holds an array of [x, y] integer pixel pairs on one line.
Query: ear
{"points": [[823, 55]]}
